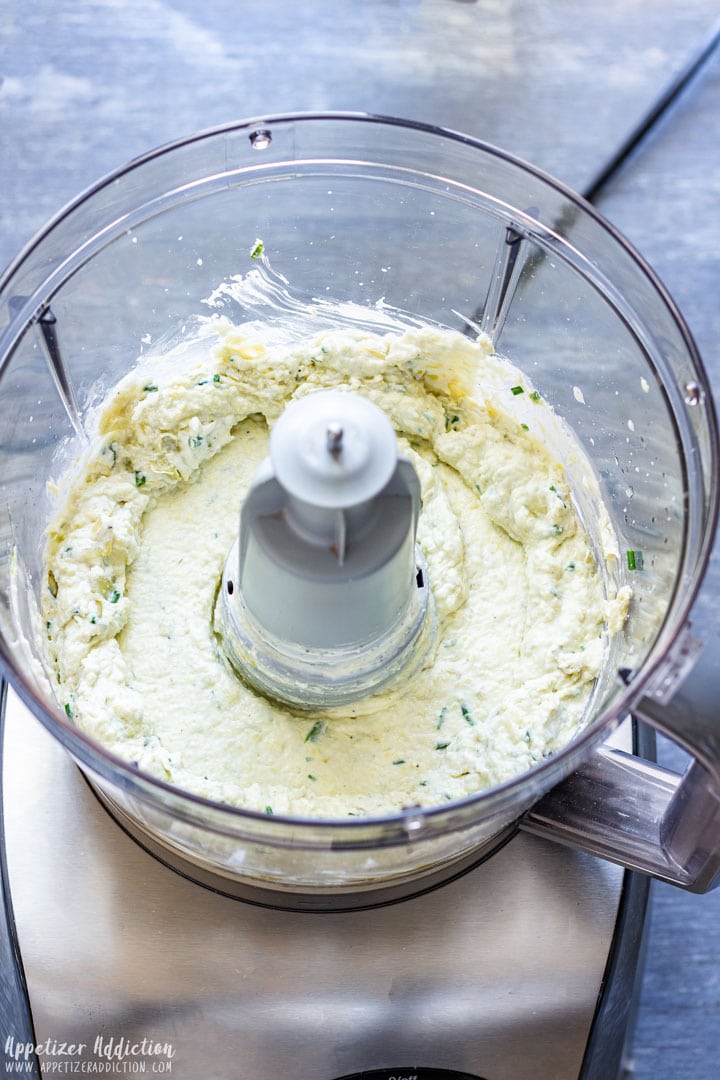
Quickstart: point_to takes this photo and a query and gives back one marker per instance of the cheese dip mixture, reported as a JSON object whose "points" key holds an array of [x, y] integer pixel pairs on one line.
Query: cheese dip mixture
{"points": [[135, 557]]}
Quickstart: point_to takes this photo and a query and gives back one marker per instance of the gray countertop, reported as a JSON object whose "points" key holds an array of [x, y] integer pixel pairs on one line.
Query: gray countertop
{"points": [[87, 84]]}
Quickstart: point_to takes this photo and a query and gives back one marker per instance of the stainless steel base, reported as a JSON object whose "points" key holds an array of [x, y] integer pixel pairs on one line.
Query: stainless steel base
{"points": [[497, 974]]}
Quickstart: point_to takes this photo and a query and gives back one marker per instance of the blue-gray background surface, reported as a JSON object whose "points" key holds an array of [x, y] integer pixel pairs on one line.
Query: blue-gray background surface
{"points": [[87, 84]]}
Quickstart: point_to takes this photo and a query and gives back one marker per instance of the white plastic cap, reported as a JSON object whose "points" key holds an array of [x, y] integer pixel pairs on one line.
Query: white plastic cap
{"points": [[333, 449]]}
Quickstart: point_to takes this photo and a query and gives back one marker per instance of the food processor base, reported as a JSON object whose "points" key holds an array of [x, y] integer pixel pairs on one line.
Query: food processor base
{"points": [[522, 966]]}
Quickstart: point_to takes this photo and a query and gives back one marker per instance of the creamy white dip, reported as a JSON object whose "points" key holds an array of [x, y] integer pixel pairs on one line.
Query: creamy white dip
{"points": [[136, 553]]}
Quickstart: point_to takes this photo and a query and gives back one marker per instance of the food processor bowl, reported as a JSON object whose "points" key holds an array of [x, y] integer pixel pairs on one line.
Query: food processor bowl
{"points": [[391, 216]]}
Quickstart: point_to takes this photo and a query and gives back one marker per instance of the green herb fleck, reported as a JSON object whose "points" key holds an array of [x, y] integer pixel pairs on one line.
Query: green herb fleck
{"points": [[634, 560], [311, 777], [558, 529], [150, 388], [451, 421], [216, 377], [93, 620], [257, 250], [570, 567], [140, 478], [524, 427], [195, 440], [202, 382], [467, 714], [114, 597], [442, 745], [68, 711], [515, 390], [399, 761], [441, 717], [268, 810], [318, 729], [535, 396]]}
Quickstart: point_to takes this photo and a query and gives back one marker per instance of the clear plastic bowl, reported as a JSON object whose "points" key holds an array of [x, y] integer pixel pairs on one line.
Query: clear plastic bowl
{"points": [[361, 209]]}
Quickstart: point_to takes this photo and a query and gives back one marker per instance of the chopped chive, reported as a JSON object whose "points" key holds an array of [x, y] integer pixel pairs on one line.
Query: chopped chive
{"points": [[202, 382], [268, 809], [524, 427], [516, 390], [150, 388], [216, 377], [195, 440], [140, 478], [570, 566], [316, 731], [442, 745], [257, 250], [68, 711], [535, 395], [114, 597], [311, 777], [441, 717], [634, 560], [467, 714], [399, 761]]}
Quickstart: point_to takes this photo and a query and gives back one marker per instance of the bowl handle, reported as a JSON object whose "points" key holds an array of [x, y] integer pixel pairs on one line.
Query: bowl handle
{"points": [[640, 815]]}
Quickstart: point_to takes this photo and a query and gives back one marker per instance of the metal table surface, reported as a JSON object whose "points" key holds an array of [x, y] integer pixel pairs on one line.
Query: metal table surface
{"points": [[87, 84]]}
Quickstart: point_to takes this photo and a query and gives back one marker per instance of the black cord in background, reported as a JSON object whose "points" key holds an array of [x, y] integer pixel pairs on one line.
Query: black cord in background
{"points": [[669, 96]]}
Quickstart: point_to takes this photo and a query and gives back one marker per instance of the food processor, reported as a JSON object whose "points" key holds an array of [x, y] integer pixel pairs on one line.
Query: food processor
{"points": [[324, 972]]}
